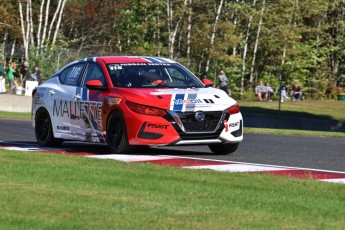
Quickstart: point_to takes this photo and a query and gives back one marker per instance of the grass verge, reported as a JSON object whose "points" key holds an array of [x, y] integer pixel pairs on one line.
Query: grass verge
{"points": [[14, 115], [48, 191], [327, 109], [293, 132]]}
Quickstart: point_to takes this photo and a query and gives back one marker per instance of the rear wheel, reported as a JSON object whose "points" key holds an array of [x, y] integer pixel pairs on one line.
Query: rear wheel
{"points": [[117, 134], [223, 149], [44, 130]]}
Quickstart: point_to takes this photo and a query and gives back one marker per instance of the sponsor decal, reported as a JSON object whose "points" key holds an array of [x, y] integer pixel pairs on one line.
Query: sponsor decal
{"points": [[64, 128], [192, 101], [159, 64], [209, 101], [235, 124], [188, 101], [174, 91], [78, 110], [157, 126]]}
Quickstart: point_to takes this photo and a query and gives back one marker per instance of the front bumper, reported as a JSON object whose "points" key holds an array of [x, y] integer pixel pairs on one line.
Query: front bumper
{"points": [[180, 129]]}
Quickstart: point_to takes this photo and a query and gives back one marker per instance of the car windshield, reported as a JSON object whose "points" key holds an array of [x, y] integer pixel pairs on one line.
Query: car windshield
{"points": [[152, 75]]}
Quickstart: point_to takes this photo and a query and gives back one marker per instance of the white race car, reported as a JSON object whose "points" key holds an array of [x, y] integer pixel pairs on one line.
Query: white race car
{"points": [[129, 101]]}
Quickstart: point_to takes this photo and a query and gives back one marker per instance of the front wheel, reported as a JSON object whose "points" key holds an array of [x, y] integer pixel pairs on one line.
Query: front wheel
{"points": [[117, 134], [223, 149], [44, 130]]}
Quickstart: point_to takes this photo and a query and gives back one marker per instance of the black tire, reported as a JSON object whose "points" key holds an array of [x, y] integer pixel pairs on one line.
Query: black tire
{"points": [[44, 130], [117, 134], [223, 149]]}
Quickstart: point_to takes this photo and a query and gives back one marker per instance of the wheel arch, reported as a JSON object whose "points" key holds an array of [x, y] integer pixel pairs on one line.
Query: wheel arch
{"points": [[44, 129], [114, 110], [50, 115]]}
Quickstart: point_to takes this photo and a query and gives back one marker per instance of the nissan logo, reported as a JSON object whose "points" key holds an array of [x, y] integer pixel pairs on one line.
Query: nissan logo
{"points": [[199, 116]]}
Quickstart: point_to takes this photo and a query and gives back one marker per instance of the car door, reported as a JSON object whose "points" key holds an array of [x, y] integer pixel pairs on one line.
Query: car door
{"points": [[63, 101], [90, 102]]}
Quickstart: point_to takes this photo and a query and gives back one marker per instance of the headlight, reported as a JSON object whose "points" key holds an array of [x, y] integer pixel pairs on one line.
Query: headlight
{"points": [[146, 110]]}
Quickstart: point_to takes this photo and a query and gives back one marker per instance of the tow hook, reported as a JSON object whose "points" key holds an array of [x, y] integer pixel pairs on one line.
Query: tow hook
{"points": [[226, 125]]}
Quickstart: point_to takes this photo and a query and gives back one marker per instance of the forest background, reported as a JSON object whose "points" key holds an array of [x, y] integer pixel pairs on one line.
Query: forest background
{"points": [[276, 41]]}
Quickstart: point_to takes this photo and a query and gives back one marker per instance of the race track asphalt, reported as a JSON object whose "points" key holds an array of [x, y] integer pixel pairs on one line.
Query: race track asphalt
{"points": [[293, 151]]}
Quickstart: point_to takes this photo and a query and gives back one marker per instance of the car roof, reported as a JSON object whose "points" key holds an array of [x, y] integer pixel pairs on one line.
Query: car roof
{"points": [[119, 59], [134, 59]]}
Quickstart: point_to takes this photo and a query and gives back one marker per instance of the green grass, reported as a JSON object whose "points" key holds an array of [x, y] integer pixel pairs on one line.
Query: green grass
{"points": [[14, 115], [293, 132], [327, 109], [48, 191]]}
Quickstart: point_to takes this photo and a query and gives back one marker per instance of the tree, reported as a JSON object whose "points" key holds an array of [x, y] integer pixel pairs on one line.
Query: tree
{"points": [[28, 19]]}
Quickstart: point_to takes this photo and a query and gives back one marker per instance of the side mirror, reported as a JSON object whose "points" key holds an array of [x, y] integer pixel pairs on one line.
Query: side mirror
{"points": [[95, 84], [207, 83]]}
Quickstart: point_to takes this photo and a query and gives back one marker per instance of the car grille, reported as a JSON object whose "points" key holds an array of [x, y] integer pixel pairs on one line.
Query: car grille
{"points": [[200, 136], [209, 124]]}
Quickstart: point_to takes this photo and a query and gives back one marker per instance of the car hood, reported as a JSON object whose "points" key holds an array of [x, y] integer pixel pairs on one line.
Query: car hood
{"points": [[190, 99]]}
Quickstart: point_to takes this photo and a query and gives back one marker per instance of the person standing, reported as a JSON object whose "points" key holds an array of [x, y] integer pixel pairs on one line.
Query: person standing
{"points": [[36, 74], [25, 73], [223, 82], [2, 77], [10, 77]]}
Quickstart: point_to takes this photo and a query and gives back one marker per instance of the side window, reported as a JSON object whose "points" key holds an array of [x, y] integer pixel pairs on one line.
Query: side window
{"points": [[71, 75], [94, 72]]}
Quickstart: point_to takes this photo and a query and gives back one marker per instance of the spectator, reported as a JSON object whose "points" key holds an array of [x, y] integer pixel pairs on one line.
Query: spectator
{"points": [[283, 94], [261, 92], [223, 80], [2, 77], [270, 92], [296, 92], [11, 76], [25, 73], [36, 74], [16, 75]]}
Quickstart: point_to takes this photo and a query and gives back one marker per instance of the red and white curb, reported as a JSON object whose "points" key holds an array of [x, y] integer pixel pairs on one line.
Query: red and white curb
{"points": [[197, 163], [230, 166]]}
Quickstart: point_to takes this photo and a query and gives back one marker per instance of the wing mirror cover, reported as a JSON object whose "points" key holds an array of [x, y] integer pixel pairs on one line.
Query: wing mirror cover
{"points": [[207, 83], [95, 84]]}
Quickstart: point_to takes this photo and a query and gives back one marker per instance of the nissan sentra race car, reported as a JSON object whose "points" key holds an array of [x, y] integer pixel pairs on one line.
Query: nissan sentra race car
{"points": [[127, 101]]}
